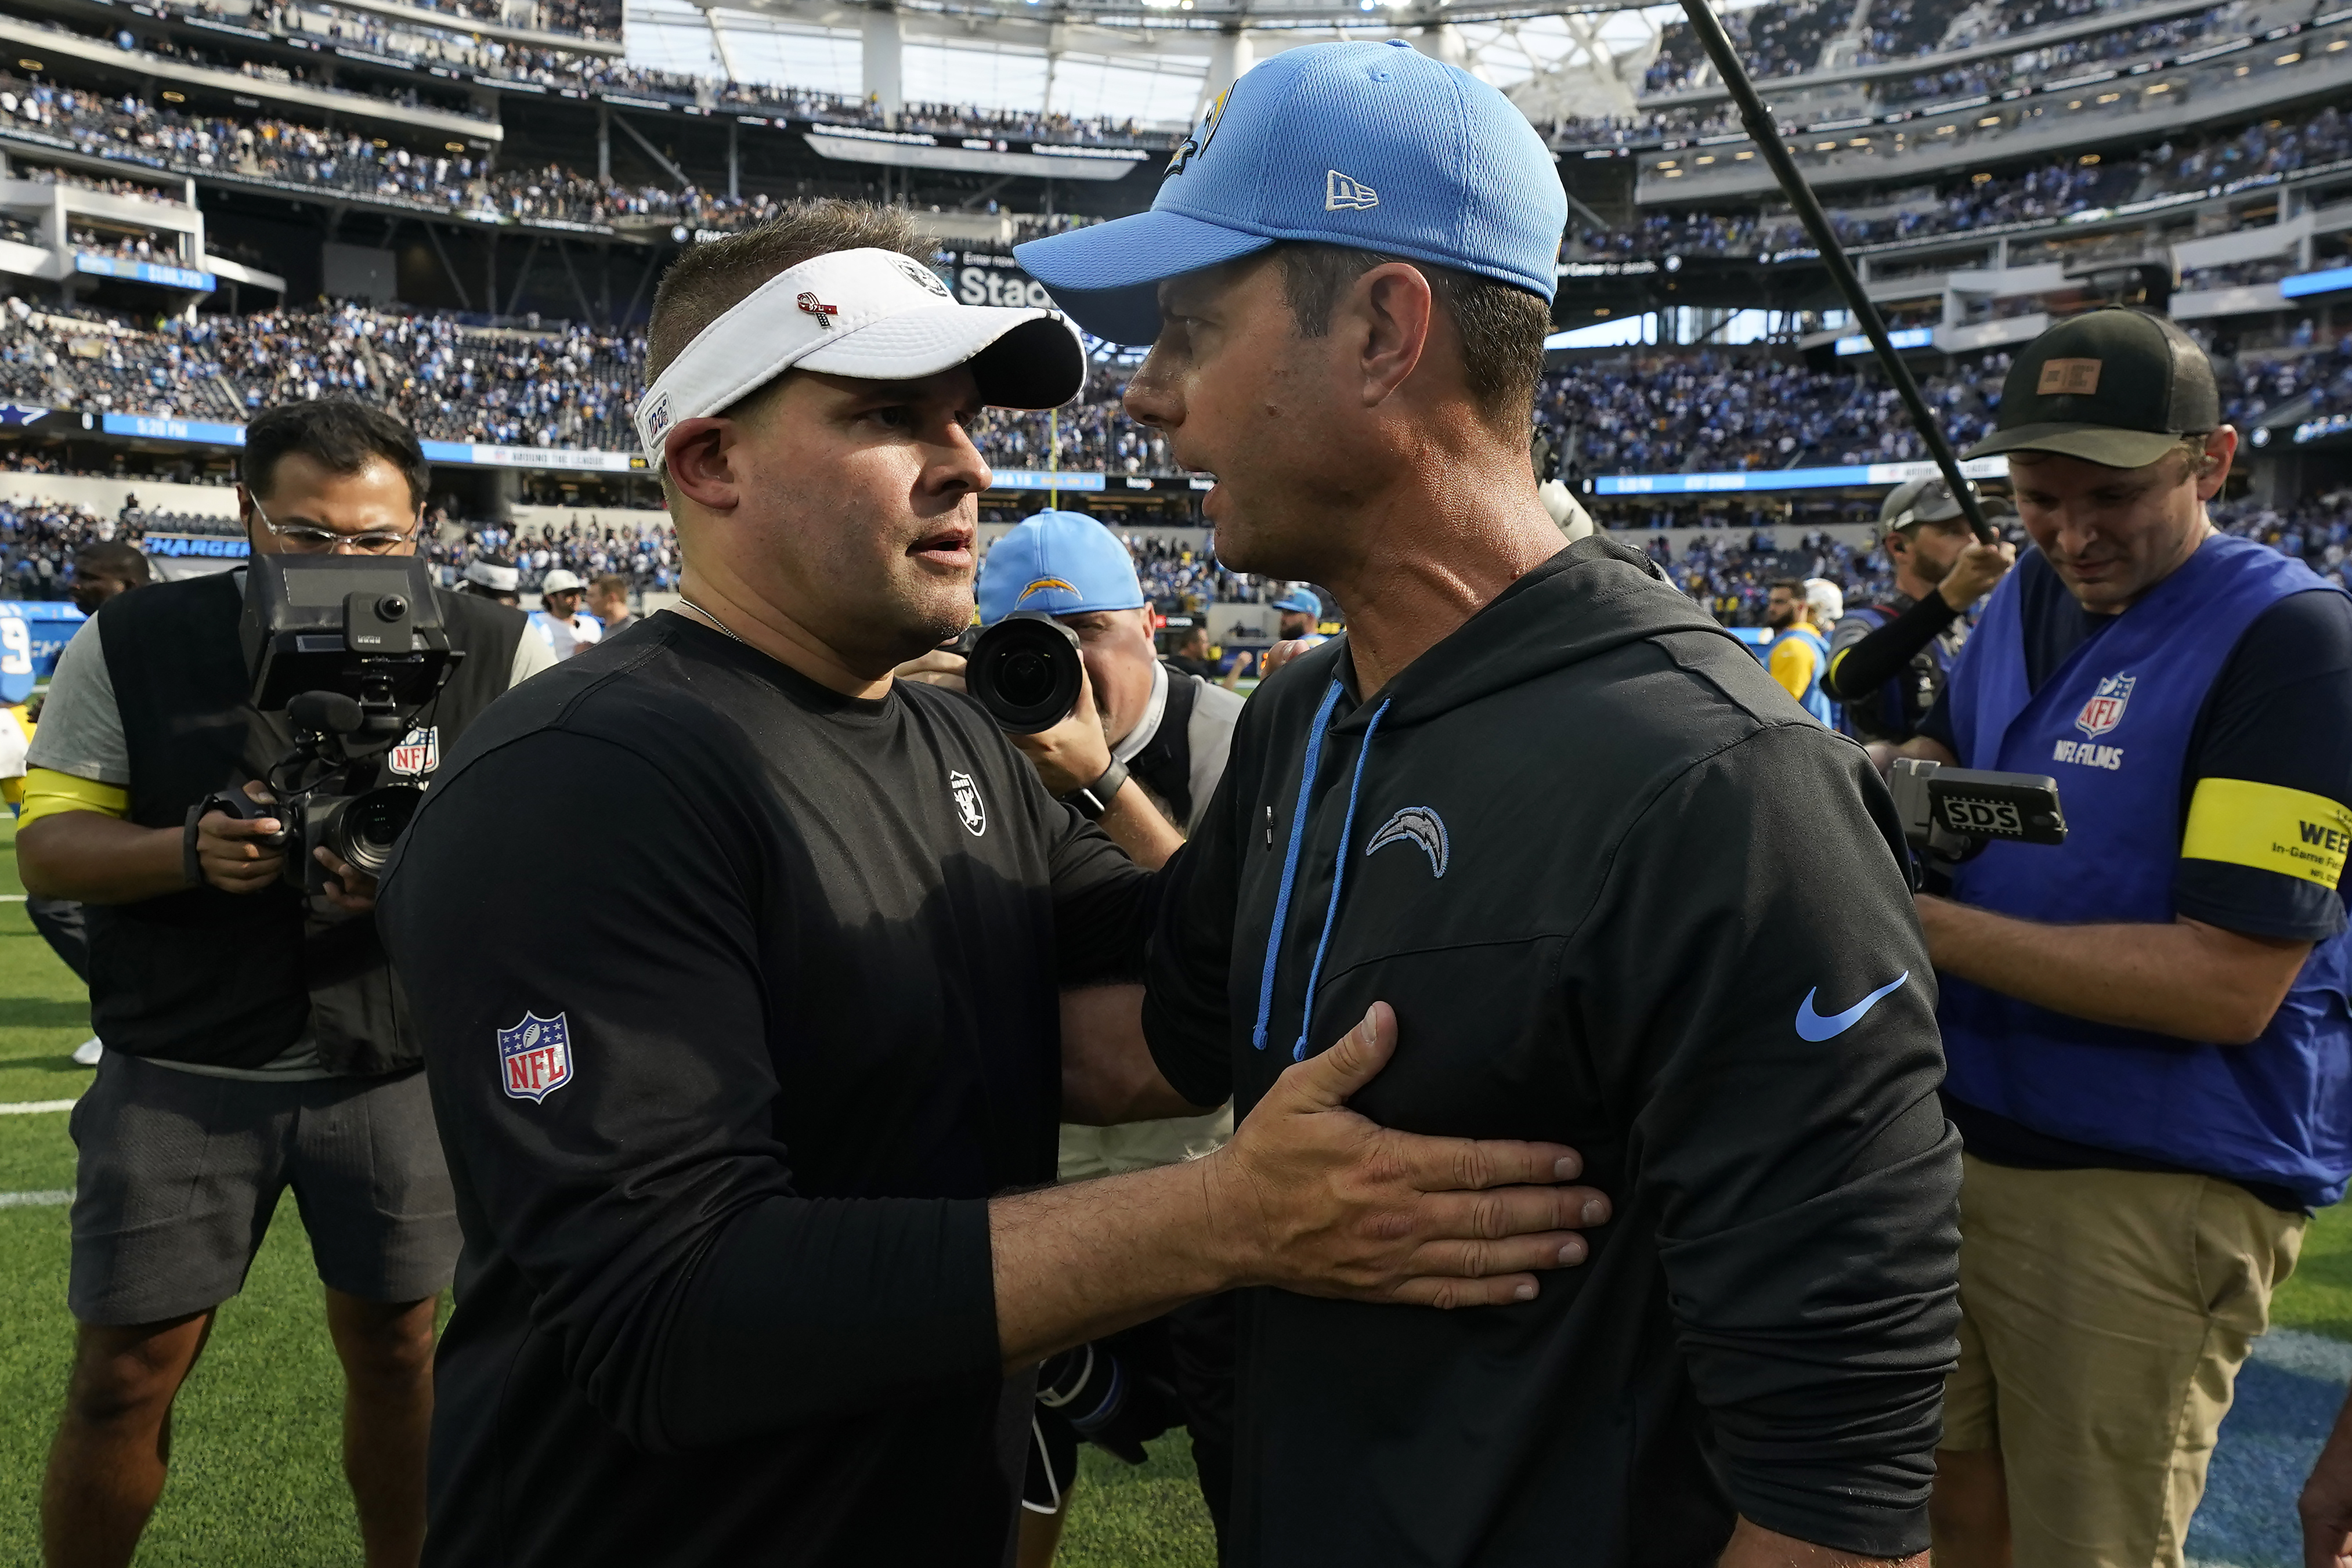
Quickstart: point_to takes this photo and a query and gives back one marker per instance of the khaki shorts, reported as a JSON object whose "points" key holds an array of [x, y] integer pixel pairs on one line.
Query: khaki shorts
{"points": [[2105, 1315], [1090, 1151]]}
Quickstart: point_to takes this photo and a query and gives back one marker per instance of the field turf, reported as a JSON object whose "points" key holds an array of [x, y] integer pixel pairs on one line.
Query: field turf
{"points": [[256, 1478]]}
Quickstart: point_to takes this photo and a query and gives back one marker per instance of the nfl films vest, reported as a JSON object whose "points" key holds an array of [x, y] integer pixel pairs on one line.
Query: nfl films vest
{"points": [[2113, 725], [1815, 701], [232, 979]]}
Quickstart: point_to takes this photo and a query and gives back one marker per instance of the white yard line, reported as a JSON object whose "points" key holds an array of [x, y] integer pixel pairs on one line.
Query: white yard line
{"points": [[49, 1200], [12, 897], [34, 1107]]}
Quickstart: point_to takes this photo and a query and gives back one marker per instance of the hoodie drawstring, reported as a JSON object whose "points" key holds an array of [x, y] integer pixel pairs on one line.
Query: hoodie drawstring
{"points": [[1290, 872]]}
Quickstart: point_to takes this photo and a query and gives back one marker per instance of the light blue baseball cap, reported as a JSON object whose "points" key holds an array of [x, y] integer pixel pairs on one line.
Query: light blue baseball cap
{"points": [[1061, 562], [1301, 598], [1373, 146]]}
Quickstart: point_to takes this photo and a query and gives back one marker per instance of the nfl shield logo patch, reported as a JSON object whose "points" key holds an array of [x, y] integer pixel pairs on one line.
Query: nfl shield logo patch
{"points": [[535, 1055], [419, 752], [2105, 710]]}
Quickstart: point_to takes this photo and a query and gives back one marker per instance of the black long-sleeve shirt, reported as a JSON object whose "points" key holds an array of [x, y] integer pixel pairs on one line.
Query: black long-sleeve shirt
{"points": [[738, 1001], [1622, 894]]}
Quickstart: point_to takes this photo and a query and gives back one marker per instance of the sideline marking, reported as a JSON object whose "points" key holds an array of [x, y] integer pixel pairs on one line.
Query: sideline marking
{"points": [[2310, 1355], [34, 1107], [49, 1200]]}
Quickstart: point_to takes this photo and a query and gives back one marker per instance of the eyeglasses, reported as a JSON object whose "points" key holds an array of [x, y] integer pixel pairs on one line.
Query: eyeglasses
{"points": [[309, 538]]}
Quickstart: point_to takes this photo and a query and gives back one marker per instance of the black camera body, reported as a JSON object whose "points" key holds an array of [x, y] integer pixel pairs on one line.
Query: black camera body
{"points": [[349, 649], [1024, 669], [1950, 814]]}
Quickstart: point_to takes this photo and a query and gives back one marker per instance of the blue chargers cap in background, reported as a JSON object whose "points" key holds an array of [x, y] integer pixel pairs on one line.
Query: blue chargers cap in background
{"points": [[1060, 563], [1301, 598], [1368, 145]]}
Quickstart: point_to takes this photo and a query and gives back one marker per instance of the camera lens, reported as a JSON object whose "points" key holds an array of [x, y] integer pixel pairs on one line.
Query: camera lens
{"points": [[391, 607], [1025, 670], [369, 826]]}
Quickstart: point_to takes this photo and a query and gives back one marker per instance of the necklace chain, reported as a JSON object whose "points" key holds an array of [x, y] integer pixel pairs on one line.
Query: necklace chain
{"points": [[707, 615]]}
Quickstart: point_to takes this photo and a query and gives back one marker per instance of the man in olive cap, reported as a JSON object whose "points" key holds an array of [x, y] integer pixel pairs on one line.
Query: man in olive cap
{"points": [[2147, 1026]]}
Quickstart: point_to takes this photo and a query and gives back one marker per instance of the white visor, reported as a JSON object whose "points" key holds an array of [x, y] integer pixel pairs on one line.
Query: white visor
{"points": [[875, 314]]}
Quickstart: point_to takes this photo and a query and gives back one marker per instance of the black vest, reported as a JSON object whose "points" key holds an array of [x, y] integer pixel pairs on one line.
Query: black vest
{"points": [[1165, 765], [232, 979]]}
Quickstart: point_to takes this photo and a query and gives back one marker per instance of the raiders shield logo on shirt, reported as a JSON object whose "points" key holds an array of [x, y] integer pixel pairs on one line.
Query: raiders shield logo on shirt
{"points": [[969, 807]]}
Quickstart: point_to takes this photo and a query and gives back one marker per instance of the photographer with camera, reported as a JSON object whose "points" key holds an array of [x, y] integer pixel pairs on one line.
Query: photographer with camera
{"points": [[1165, 733], [1889, 657], [254, 1038], [2146, 1025]]}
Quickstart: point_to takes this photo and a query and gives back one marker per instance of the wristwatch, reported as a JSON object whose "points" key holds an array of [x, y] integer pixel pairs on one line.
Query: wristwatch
{"points": [[1095, 799]]}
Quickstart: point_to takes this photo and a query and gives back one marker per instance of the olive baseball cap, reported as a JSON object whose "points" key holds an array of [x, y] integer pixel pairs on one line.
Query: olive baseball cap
{"points": [[2114, 387]]}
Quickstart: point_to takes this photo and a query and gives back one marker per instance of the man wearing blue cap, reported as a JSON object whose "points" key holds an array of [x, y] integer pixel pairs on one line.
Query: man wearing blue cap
{"points": [[1616, 885], [1301, 610], [1138, 719], [1142, 754]]}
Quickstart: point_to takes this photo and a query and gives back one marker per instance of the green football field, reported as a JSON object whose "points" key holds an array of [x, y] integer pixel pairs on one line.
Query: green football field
{"points": [[256, 1478]]}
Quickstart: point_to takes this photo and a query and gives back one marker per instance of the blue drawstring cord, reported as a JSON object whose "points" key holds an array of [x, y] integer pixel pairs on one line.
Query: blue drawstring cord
{"points": [[1290, 861], [1290, 870], [1338, 877]]}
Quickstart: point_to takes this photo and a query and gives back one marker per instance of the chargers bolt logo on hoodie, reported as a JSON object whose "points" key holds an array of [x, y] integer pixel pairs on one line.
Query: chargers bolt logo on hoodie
{"points": [[1416, 824]]}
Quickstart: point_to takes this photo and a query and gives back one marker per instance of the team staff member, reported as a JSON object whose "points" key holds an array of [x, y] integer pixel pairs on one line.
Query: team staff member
{"points": [[725, 1141], [2148, 1026], [1619, 888], [102, 570], [237, 1063], [608, 602], [1798, 656], [1889, 657], [558, 619]]}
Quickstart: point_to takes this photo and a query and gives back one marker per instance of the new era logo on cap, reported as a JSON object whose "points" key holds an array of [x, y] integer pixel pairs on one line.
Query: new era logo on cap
{"points": [[1341, 193], [2072, 377], [1441, 168]]}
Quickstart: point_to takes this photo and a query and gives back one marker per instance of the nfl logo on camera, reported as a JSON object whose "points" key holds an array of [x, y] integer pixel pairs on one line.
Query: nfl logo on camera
{"points": [[535, 1056], [2105, 710], [419, 752]]}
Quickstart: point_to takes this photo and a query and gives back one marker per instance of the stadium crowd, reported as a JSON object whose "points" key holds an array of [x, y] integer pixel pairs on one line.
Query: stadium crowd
{"points": [[563, 385]]}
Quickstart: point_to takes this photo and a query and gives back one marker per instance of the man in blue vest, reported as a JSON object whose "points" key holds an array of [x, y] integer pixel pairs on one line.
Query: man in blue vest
{"points": [[1799, 656], [2147, 1028]]}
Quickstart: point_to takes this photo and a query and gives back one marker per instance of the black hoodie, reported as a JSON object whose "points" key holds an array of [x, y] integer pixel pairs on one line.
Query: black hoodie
{"points": [[1624, 894]]}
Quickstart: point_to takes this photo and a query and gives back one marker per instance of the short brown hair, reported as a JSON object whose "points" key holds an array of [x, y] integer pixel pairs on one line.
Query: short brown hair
{"points": [[1502, 325], [711, 280], [610, 582]]}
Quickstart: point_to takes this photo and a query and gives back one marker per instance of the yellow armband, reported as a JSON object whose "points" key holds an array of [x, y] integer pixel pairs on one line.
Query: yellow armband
{"points": [[2269, 828], [48, 792]]}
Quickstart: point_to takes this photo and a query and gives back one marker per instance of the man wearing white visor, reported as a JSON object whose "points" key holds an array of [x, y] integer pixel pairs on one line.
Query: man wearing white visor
{"points": [[731, 1144]]}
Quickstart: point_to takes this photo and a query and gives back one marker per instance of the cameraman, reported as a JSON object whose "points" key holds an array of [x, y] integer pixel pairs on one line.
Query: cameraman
{"points": [[2147, 1026], [252, 1039], [1165, 733], [1889, 657]]}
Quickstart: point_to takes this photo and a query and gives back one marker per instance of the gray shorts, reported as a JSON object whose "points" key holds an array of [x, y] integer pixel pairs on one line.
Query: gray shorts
{"points": [[179, 1174]]}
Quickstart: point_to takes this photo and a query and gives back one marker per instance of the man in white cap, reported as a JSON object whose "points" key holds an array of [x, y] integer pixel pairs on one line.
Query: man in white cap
{"points": [[559, 618], [728, 1141]]}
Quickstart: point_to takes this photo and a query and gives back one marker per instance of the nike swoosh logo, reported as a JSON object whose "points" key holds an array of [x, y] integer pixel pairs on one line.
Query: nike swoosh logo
{"points": [[1811, 1025]]}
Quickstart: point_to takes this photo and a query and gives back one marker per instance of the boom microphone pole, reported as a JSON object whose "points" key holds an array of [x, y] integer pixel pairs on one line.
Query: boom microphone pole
{"points": [[1765, 132]]}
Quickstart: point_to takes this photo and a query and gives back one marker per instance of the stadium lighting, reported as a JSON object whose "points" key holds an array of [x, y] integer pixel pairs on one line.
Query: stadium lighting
{"points": [[2288, 59], [29, 65]]}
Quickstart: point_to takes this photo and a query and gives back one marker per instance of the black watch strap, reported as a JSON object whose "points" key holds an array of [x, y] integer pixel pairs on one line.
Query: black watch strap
{"points": [[1095, 799]]}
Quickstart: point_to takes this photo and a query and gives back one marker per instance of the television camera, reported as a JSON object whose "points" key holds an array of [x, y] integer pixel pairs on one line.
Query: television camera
{"points": [[349, 649]]}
